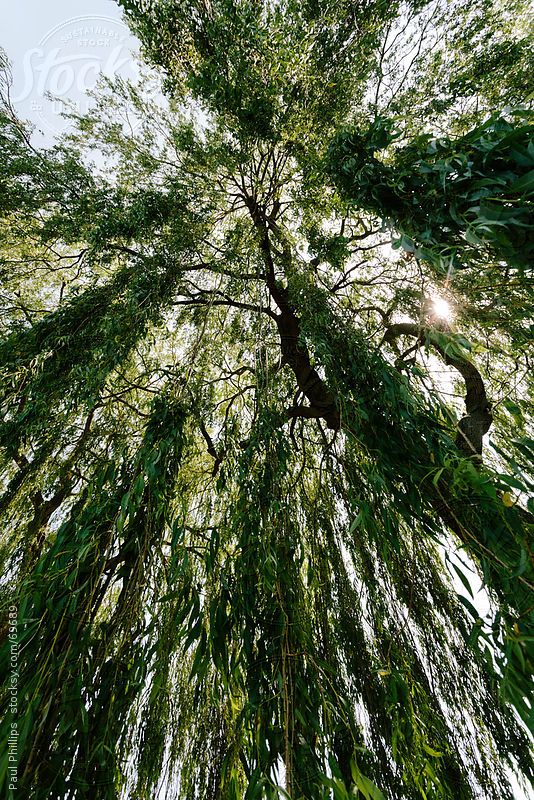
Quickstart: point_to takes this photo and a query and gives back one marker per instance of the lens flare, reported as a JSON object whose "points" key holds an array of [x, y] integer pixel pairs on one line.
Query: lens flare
{"points": [[441, 308]]}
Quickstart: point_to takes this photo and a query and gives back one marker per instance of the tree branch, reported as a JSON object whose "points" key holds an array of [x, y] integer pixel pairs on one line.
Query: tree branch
{"points": [[478, 419]]}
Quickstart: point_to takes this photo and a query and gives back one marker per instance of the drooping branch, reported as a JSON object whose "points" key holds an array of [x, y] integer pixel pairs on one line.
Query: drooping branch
{"points": [[478, 419], [44, 508]]}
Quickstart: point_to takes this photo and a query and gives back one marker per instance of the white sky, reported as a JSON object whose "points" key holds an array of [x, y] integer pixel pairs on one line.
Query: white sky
{"points": [[59, 46]]}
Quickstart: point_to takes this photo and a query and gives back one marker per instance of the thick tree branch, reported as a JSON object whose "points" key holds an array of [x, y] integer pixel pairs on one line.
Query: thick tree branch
{"points": [[294, 352], [478, 419]]}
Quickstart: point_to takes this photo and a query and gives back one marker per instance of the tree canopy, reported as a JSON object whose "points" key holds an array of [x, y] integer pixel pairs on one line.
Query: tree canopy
{"points": [[265, 442]]}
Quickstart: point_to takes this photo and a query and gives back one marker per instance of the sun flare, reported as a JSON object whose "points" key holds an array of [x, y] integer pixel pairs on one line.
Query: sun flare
{"points": [[442, 308]]}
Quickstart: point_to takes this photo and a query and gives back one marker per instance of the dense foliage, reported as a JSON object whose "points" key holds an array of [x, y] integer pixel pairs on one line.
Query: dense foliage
{"points": [[254, 471], [463, 202]]}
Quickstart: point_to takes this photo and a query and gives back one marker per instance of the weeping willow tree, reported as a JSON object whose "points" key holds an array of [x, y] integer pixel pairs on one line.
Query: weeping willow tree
{"points": [[265, 392]]}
